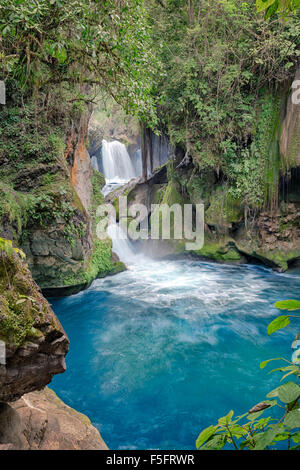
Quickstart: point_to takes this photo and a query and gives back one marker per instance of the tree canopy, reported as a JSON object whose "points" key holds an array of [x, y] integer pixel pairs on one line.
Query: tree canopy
{"points": [[79, 43]]}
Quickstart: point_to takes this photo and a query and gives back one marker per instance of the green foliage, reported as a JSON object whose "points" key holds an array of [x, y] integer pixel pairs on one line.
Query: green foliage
{"points": [[251, 431], [99, 265], [7, 247], [45, 208], [278, 323], [254, 170], [19, 310], [223, 66], [288, 305], [79, 44], [74, 232], [277, 7], [23, 140], [17, 318]]}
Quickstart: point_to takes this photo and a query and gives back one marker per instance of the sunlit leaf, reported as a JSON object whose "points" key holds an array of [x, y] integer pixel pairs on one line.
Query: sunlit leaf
{"points": [[288, 305], [278, 324], [226, 419], [264, 363], [205, 435], [288, 392], [292, 419]]}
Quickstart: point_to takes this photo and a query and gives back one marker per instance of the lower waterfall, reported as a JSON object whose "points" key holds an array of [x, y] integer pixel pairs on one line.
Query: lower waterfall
{"points": [[122, 246]]}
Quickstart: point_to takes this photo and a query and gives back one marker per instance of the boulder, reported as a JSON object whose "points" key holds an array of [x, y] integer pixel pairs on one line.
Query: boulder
{"points": [[41, 421]]}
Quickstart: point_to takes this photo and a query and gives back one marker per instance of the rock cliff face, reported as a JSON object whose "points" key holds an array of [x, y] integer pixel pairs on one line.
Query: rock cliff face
{"points": [[48, 198], [35, 342], [41, 421], [290, 132], [79, 161]]}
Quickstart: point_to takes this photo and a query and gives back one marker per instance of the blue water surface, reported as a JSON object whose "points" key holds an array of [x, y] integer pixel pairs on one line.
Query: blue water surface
{"points": [[164, 349]]}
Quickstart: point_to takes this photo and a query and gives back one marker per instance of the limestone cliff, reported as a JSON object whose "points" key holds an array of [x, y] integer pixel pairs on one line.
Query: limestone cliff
{"points": [[35, 342], [48, 196], [290, 132]]}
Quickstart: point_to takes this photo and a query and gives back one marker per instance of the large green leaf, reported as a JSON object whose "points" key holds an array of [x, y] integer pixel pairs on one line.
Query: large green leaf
{"points": [[278, 324], [292, 419], [296, 437], [266, 438], [226, 419], [205, 434], [273, 393], [253, 416], [215, 443], [288, 392], [272, 9], [288, 305]]}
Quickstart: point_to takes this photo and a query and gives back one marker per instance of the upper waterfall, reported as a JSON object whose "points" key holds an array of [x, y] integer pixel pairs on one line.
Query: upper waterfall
{"points": [[116, 161]]}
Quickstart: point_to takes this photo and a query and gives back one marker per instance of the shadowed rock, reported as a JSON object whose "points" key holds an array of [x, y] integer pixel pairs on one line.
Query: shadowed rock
{"points": [[35, 342]]}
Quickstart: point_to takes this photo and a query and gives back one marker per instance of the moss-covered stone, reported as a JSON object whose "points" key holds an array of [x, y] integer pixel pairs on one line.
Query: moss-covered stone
{"points": [[222, 251], [223, 210], [29, 329]]}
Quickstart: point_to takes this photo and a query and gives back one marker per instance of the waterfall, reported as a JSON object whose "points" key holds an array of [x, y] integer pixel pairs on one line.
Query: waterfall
{"points": [[116, 161], [121, 244]]}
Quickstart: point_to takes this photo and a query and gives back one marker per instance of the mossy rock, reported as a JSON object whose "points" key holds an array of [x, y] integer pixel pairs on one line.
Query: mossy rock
{"points": [[170, 197], [22, 307], [223, 209], [225, 252], [99, 265]]}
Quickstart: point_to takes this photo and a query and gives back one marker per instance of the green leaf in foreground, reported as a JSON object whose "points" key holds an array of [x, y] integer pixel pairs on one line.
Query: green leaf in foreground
{"points": [[278, 324], [292, 419], [266, 438], [263, 5], [288, 392], [288, 305], [205, 434], [215, 443], [226, 419]]}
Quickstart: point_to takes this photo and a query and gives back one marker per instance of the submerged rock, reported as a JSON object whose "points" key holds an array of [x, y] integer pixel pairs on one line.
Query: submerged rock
{"points": [[41, 421]]}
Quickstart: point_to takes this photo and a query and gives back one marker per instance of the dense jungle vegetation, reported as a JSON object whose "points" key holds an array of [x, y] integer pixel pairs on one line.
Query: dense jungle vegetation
{"points": [[211, 75], [214, 76], [225, 69]]}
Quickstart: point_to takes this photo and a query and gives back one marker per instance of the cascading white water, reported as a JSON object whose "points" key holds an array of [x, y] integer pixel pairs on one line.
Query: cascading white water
{"points": [[117, 164], [121, 244], [118, 170]]}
